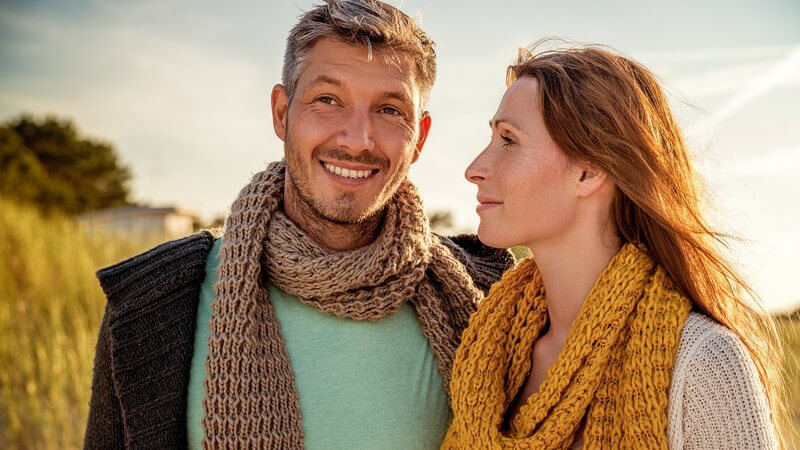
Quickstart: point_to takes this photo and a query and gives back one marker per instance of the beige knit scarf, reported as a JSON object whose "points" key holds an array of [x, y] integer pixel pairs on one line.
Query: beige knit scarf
{"points": [[251, 400]]}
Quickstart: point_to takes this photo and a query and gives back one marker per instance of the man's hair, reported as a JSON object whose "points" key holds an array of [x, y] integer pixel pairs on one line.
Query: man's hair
{"points": [[372, 24]]}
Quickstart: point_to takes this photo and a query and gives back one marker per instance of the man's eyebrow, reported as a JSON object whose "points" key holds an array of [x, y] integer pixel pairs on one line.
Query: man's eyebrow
{"points": [[398, 95], [324, 79]]}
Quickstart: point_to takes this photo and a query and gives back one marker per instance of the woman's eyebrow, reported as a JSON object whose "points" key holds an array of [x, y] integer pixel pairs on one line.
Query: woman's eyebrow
{"points": [[494, 123]]}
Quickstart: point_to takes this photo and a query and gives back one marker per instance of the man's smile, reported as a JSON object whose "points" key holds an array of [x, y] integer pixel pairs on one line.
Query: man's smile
{"points": [[348, 173]]}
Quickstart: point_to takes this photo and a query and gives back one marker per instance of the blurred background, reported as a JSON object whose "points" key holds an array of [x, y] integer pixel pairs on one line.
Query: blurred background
{"points": [[126, 123]]}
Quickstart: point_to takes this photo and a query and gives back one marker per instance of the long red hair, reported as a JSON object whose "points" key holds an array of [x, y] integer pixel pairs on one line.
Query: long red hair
{"points": [[610, 111]]}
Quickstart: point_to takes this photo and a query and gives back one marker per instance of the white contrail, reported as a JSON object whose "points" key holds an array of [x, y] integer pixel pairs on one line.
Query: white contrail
{"points": [[786, 67], [704, 55]]}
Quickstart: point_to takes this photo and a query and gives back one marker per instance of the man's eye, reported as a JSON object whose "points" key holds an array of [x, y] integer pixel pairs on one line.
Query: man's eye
{"points": [[391, 111], [328, 100], [506, 140]]}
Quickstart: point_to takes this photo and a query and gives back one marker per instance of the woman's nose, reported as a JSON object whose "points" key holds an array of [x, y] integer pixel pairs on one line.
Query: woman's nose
{"points": [[476, 171]]}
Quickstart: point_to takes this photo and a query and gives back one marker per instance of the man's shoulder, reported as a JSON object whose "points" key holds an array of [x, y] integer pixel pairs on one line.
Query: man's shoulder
{"points": [[149, 330], [168, 266], [484, 264]]}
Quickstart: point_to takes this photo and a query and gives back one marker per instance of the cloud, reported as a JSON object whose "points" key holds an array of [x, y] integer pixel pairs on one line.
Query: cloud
{"points": [[182, 114], [786, 68], [716, 55]]}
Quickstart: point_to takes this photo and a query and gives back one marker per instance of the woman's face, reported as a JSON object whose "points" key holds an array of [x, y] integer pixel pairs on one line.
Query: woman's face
{"points": [[526, 185]]}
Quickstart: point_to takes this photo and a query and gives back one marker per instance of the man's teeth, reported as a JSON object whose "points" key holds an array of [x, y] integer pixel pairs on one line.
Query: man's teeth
{"points": [[347, 173]]}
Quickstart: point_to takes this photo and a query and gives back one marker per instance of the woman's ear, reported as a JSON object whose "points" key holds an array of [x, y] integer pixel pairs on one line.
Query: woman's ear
{"points": [[590, 179]]}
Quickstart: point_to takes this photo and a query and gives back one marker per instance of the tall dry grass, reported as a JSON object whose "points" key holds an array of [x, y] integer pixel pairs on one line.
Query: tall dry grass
{"points": [[789, 329], [50, 310]]}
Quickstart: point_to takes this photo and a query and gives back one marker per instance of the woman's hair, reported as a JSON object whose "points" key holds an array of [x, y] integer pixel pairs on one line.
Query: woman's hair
{"points": [[609, 111]]}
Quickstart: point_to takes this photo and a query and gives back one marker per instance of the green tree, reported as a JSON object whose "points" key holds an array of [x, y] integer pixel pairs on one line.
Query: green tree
{"points": [[441, 221], [48, 163]]}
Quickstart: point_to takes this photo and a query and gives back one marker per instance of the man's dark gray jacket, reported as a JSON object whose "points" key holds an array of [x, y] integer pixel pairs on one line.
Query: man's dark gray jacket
{"points": [[144, 349]]}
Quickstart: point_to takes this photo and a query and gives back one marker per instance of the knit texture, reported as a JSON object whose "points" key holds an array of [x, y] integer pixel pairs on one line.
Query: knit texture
{"points": [[144, 347], [251, 400], [613, 371], [716, 399]]}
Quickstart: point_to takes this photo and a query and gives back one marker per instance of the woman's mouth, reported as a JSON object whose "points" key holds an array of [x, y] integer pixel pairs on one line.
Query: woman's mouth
{"points": [[485, 206], [486, 202]]}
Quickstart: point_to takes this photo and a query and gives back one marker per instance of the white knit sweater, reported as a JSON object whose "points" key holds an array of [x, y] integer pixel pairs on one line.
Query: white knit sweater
{"points": [[716, 400]]}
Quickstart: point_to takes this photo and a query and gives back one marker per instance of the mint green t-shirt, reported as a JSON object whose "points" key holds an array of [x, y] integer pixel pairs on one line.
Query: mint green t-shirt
{"points": [[362, 385]]}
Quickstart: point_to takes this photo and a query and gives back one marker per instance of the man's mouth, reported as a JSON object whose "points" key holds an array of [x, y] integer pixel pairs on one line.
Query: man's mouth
{"points": [[345, 172]]}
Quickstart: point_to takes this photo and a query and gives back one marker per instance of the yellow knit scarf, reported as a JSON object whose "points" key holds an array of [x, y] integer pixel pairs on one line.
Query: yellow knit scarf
{"points": [[614, 368]]}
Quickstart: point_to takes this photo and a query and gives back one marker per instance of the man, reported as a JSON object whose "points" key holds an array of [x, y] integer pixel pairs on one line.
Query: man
{"points": [[328, 314]]}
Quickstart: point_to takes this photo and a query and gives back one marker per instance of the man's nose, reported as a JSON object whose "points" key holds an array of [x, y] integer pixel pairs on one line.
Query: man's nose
{"points": [[356, 133]]}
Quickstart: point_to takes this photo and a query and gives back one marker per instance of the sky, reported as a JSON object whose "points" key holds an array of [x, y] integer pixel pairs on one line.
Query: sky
{"points": [[182, 90]]}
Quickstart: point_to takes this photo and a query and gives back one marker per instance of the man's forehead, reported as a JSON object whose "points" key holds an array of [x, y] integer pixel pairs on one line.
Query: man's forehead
{"points": [[341, 63]]}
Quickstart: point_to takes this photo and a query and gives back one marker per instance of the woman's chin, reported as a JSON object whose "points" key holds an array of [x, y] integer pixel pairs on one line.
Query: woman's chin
{"points": [[493, 237]]}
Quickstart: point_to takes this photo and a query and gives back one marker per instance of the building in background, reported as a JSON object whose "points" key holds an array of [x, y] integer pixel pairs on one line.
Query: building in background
{"points": [[163, 223]]}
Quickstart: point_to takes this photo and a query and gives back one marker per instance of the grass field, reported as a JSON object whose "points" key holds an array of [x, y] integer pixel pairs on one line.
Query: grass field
{"points": [[790, 334], [50, 308]]}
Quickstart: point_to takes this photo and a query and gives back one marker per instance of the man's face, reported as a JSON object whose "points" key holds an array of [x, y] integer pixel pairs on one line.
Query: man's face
{"points": [[351, 131]]}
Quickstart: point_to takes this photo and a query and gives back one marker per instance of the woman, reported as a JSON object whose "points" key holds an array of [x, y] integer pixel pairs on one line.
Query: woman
{"points": [[626, 329]]}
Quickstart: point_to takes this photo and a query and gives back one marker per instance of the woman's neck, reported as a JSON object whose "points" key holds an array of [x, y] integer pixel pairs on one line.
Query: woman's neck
{"points": [[570, 266]]}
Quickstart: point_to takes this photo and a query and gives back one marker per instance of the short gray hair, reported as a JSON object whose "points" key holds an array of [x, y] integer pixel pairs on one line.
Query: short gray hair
{"points": [[368, 23]]}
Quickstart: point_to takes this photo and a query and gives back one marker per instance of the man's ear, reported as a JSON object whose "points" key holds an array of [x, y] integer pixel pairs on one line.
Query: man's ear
{"points": [[424, 129], [280, 108], [589, 179]]}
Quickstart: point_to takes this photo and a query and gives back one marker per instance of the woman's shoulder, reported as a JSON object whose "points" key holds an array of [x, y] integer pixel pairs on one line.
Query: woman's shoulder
{"points": [[703, 340], [716, 396]]}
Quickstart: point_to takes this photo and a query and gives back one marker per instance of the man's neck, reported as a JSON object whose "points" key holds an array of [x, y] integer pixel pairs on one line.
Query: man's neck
{"points": [[336, 236]]}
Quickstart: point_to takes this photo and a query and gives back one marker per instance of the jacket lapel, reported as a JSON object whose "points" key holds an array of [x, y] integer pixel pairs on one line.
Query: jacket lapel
{"points": [[153, 305]]}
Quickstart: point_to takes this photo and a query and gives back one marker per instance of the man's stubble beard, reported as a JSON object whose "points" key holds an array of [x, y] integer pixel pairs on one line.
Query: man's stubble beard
{"points": [[343, 211]]}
